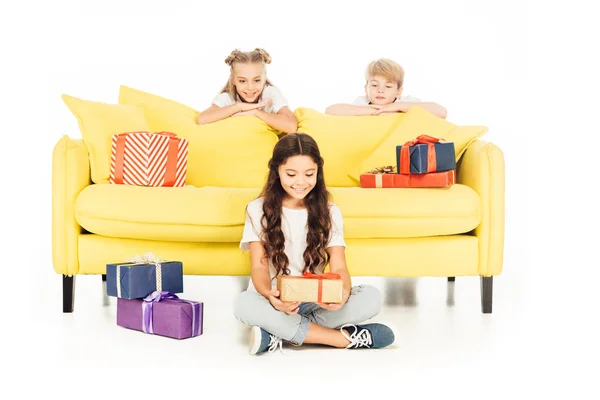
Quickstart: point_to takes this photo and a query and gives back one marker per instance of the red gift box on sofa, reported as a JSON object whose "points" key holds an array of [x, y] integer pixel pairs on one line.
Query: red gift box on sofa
{"points": [[381, 177], [148, 159], [430, 180], [377, 180]]}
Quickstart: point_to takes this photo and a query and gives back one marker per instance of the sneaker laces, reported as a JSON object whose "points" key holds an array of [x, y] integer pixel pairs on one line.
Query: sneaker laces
{"points": [[274, 341], [358, 339]]}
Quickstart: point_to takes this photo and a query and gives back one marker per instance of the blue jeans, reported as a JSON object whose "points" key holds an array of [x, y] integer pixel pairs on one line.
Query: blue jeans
{"points": [[252, 308]]}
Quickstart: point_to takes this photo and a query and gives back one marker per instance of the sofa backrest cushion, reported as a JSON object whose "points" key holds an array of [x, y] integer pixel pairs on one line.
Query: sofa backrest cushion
{"points": [[344, 140], [98, 122], [233, 152], [416, 121]]}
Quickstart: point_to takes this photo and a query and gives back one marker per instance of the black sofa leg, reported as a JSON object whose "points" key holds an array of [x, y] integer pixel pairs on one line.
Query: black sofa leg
{"points": [[451, 279], [487, 284], [68, 293], [105, 301]]}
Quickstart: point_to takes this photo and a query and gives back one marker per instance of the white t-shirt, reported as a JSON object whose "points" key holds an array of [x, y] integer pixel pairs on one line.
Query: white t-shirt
{"points": [[364, 100], [294, 230], [269, 92]]}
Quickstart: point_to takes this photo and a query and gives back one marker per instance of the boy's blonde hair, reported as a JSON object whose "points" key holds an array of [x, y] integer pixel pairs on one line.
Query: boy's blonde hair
{"points": [[255, 56], [387, 68]]}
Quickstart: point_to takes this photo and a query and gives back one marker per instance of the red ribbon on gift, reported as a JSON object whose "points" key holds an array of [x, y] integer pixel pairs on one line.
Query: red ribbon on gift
{"points": [[405, 153], [171, 166], [320, 277]]}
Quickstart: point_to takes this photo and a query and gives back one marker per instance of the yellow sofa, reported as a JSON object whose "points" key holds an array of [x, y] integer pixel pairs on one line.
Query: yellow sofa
{"points": [[456, 231]]}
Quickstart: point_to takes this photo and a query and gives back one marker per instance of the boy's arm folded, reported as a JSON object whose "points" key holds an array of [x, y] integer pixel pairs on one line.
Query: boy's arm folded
{"points": [[404, 106]]}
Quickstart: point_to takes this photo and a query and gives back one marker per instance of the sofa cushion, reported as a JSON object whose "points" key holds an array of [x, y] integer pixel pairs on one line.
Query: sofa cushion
{"points": [[345, 140], [214, 214], [98, 122], [233, 152], [407, 212], [205, 214], [417, 121], [158, 110]]}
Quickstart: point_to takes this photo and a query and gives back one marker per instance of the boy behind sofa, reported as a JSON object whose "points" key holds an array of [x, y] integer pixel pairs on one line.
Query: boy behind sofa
{"points": [[383, 94]]}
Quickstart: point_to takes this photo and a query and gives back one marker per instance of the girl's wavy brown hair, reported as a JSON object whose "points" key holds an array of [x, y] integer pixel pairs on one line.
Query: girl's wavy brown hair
{"points": [[316, 203]]}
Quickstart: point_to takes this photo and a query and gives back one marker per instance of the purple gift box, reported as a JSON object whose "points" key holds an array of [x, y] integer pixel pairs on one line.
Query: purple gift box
{"points": [[162, 313]]}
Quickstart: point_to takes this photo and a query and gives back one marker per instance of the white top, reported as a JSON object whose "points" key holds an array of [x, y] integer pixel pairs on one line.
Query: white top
{"points": [[364, 100], [269, 92], [294, 230]]}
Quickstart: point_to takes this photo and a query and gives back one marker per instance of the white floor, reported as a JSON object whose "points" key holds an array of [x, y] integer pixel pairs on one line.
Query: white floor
{"points": [[532, 343]]}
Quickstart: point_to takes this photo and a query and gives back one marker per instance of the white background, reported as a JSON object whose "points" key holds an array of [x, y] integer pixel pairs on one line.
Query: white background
{"points": [[527, 70]]}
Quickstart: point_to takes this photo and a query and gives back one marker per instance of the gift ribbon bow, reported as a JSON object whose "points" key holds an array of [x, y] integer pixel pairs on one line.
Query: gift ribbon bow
{"points": [[157, 296], [145, 259], [405, 153], [320, 277]]}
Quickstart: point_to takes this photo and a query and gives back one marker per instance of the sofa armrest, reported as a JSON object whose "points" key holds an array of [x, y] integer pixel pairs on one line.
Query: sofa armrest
{"points": [[482, 168], [70, 175]]}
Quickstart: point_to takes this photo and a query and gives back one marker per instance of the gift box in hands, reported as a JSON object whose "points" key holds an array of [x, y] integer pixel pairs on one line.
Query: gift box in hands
{"points": [[323, 288]]}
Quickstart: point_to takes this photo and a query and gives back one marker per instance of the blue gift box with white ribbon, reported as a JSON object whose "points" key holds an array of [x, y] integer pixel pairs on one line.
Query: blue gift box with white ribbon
{"points": [[141, 277]]}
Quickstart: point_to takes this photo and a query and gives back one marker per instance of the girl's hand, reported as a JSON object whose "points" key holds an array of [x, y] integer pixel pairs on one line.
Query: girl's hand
{"points": [[253, 106], [288, 307], [265, 103], [335, 306], [330, 306], [245, 113]]}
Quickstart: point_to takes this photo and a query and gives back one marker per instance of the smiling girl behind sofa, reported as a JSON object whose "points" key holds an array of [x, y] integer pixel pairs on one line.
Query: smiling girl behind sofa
{"points": [[293, 228], [248, 92]]}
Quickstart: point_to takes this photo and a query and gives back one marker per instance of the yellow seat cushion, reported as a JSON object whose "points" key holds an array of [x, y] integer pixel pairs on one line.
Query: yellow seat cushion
{"points": [[214, 214], [98, 122], [206, 214], [417, 121], [344, 140], [233, 152], [407, 212]]}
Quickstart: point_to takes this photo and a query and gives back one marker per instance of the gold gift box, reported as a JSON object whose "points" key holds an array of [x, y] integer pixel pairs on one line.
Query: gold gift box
{"points": [[300, 288]]}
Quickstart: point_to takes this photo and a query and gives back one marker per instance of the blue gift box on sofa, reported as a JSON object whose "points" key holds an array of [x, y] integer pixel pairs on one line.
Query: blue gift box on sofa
{"points": [[138, 280], [425, 154]]}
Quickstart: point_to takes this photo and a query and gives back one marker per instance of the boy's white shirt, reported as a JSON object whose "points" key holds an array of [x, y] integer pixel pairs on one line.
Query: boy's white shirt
{"points": [[364, 100], [294, 230], [269, 92]]}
